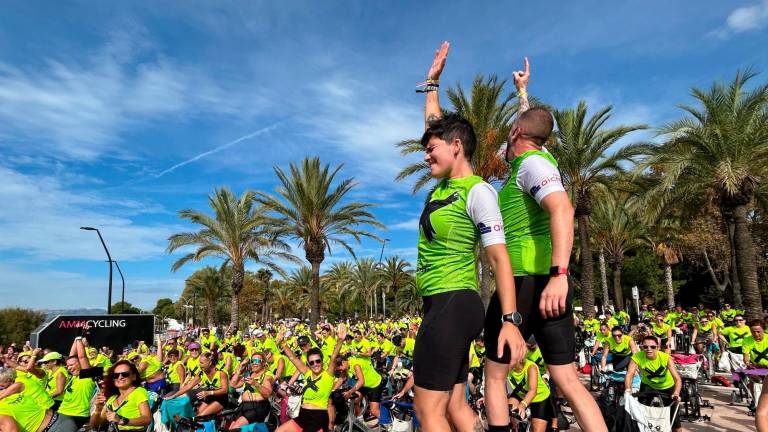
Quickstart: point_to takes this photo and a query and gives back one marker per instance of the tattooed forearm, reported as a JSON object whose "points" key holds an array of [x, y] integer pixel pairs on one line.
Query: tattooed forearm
{"points": [[523, 102]]}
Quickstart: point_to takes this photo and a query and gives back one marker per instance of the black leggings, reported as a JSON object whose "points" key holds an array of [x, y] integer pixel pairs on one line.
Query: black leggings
{"points": [[620, 362]]}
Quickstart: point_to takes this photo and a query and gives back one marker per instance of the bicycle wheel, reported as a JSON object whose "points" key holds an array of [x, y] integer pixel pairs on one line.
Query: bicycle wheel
{"points": [[594, 379]]}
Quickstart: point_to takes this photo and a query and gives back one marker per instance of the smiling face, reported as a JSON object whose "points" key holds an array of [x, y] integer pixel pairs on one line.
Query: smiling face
{"points": [[315, 363], [123, 377], [441, 156], [73, 366]]}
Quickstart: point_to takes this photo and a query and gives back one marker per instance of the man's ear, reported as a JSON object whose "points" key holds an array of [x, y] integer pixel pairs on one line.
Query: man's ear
{"points": [[459, 147]]}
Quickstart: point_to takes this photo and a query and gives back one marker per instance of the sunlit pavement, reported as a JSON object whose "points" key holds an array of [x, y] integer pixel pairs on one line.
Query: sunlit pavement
{"points": [[723, 415]]}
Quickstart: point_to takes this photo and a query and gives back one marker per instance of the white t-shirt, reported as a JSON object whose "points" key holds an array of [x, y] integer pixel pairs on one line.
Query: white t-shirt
{"points": [[483, 209], [539, 177]]}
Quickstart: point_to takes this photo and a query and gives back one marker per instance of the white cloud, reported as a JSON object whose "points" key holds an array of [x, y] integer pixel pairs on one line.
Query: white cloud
{"points": [[21, 286], [79, 108], [41, 218], [408, 225], [365, 126], [744, 19]]}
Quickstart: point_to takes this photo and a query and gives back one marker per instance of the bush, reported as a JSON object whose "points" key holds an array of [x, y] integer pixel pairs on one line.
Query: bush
{"points": [[16, 324]]}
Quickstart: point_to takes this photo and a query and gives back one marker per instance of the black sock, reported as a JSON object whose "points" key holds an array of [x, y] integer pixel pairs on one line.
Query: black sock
{"points": [[504, 428]]}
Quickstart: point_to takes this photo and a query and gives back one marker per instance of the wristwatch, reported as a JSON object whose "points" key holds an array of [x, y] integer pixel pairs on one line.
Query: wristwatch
{"points": [[557, 271], [514, 317]]}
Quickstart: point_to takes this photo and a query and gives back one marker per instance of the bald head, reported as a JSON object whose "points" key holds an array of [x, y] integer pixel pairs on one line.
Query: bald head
{"points": [[535, 124]]}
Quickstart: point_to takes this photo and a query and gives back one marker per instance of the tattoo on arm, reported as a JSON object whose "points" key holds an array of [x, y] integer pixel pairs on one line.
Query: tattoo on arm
{"points": [[431, 118], [524, 105]]}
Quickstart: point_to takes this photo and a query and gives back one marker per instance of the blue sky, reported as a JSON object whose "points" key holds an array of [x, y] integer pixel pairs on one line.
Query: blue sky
{"points": [[118, 115]]}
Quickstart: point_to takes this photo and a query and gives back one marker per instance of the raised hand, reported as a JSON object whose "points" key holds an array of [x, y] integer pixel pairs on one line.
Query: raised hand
{"points": [[521, 77], [439, 62]]}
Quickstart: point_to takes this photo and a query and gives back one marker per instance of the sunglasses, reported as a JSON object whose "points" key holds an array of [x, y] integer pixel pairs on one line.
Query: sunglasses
{"points": [[256, 360], [315, 362], [618, 334], [739, 320], [118, 375]]}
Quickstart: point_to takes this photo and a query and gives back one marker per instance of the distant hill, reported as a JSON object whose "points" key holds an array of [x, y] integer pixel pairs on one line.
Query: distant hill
{"points": [[51, 313]]}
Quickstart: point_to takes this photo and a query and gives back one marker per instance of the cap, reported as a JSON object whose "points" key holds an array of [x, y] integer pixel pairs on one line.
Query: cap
{"points": [[92, 350], [302, 340], [258, 333], [132, 355], [24, 354], [50, 356]]}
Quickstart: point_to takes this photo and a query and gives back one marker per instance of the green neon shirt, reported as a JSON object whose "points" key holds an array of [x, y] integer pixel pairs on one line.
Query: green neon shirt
{"points": [[526, 224], [77, 397], [519, 382], [757, 350], [446, 253], [318, 389], [654, 373], [23, 408]]}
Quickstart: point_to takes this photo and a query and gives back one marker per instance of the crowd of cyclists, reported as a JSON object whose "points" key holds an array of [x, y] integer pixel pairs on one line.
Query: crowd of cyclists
{"points": [[254, 373]]}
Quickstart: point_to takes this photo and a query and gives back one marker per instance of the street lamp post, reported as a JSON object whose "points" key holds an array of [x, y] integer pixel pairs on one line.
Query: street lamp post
{"points": [[122, 297], [383, 294], [109, 258]]}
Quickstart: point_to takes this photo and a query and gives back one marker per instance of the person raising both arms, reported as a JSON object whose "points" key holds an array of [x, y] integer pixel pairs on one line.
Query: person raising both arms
{"points": [[461, 211], [538, 224], [21, 412]]}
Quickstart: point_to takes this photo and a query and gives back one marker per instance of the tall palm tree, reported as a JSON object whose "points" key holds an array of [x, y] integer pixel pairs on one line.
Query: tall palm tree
{"points": [[338, 279], [283, 296], [366, 280], [719, 152], [300, 281], [209, 284], [264, 276], [309, 208], [395, 272], [490, 112], [618, 229], [409, 298], [581, 147], [237, 232]]}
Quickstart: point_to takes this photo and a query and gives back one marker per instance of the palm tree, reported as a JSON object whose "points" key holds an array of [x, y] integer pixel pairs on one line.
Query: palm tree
{"points": [[409, 298], [210, 285], [309, 209], [396, 272], [365, 280], [490, 113], [283, 295], [236, 233], [618, 229], [300, 281], [264, 276], [720, 153], [338, 279], [581, 149]]}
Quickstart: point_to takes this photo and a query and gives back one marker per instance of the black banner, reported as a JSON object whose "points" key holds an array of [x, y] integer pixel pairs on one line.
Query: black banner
{"points": [[114, 331]]}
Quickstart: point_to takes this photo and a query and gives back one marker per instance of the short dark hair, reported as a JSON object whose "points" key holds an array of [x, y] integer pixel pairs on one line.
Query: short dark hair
{"points": [[450, 127], [755, 323], [619, 328], [314, 351], [651, 338], [536, 124]]}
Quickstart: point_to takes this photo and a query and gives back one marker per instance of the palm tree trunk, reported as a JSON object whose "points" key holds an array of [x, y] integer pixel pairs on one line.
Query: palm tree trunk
{"points": [[238, 273], [264, 307], [486, 280], [670, 290], [314, 317], [587, 266], [735, 271], [211, 310], [604, 280], [396, 309], [617, 291], [745, 262]]}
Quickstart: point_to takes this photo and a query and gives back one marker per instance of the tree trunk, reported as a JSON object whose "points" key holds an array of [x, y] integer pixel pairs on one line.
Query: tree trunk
{"points": [[721, 286], [264, 307], [587, 267], [617, 291], [396, 310], [211, 311], [486, 280], [745, 263], [670, 289], [604, 280], [314, 317], [238, 273], [735, 271]]}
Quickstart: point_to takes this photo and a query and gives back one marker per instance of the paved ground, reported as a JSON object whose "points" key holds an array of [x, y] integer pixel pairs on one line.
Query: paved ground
{"points": [[724, 416]]}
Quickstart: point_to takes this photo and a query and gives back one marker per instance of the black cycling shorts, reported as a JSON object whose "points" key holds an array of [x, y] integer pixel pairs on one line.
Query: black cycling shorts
{"points": [[543, 410], [255, 411], [452, 320], [373, 394], [312, 420], [556, 337]]}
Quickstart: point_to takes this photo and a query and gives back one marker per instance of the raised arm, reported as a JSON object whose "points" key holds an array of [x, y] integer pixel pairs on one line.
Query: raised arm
{"points": [[521, 83], [341, 334], [432, 107]]}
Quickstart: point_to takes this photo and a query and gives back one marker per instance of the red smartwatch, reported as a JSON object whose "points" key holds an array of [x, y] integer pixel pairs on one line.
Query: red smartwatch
{"points": [[557, 271]]}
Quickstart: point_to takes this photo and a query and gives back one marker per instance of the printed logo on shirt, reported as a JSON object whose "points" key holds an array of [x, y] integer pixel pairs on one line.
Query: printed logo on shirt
{"points": [[485, 229], [546, 181]]}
